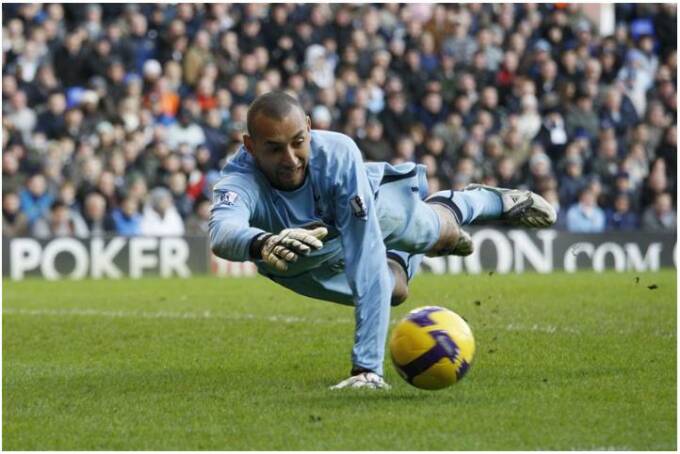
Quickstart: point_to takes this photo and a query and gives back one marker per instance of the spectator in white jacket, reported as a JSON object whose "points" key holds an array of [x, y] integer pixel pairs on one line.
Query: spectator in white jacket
{"points": [[160, 217]]}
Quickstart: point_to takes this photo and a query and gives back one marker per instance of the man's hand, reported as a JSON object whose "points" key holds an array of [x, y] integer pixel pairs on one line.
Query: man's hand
{"points": [[285, 247], [368, 380]]}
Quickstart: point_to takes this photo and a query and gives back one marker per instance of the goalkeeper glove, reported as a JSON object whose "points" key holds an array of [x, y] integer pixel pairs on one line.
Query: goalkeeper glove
{"points": [[285, 247]]}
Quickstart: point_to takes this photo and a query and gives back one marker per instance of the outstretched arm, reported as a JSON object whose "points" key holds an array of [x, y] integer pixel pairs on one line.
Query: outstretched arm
{"points": [[232, 237], [365, 260], [229, 224]]}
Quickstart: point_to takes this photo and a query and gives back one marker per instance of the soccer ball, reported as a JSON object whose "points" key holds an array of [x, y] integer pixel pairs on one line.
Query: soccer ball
{"points": [[432, 347]]}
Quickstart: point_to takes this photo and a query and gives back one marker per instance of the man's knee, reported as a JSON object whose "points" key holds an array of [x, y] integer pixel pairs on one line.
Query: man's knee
{"points": [[400, 291]]}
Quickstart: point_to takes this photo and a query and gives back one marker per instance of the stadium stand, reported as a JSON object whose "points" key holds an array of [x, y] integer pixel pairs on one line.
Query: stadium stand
{"points": [[117, 118]]}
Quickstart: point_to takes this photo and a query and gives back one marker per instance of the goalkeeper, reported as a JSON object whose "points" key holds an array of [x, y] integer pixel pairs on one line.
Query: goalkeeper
{"points": [[316, 219]]}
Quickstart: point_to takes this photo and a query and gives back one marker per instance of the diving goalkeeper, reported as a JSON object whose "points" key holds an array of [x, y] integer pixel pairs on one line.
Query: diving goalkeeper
{"points": [[305, 208]]}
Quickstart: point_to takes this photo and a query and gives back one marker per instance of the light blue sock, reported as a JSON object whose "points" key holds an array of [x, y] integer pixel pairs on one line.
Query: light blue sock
{"points": [[475, 204]]}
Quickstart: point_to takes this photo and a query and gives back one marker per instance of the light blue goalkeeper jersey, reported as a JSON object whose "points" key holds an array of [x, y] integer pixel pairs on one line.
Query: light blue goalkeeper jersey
{"points": [[342, 193]]}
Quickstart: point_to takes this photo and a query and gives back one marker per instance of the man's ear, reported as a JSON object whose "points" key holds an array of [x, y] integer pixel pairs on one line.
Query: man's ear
{"points": [[248, 143], [309, 123]]}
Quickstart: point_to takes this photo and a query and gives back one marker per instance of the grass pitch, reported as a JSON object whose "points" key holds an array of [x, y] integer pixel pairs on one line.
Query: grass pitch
{"points": [[564, 361]]}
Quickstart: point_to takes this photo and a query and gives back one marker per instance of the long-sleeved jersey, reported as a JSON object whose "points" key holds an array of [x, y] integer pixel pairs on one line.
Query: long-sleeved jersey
{"points": [[339, 191]]}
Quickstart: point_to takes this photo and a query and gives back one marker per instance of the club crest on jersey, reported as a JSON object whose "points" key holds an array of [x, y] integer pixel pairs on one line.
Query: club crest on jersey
{"points": [[358, 207], [227, 198]]}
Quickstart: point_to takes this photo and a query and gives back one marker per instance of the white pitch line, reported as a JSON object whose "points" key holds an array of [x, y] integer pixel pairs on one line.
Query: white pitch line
{"points": [[204, 315], [276, 318], [548, 329]]}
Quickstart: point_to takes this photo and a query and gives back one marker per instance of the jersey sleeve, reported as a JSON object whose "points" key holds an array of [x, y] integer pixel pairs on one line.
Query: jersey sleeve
{"points": [[365, 258], [229, 224]]}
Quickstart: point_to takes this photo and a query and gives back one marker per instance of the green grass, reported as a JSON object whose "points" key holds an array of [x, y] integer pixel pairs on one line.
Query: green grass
{"points": [[564, 361]]}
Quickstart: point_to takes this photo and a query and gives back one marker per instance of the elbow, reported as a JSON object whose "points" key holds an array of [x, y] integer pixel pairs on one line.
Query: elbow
{"points": [[217, 246], [215, 249], [215, 242]]}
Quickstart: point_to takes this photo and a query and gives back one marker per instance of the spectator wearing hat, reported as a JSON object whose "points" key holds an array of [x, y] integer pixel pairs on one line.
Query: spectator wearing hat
{"points": [[585, 216], [660, 217], [540, 172], [160, 217], [320, 66], [321, 117]]}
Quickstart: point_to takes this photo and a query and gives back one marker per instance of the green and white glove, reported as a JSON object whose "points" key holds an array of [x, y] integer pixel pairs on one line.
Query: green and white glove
{"points": [[285, 247]]}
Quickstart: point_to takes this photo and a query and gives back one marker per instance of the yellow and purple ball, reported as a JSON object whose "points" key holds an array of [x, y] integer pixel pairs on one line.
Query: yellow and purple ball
{"points": [[432, 347]]}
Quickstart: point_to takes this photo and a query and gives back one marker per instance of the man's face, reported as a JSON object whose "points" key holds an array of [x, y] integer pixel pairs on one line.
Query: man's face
{"points": [[60, 215], [281, 148]]}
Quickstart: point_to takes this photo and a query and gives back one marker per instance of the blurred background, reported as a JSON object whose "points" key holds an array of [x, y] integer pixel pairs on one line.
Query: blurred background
{"points": [[118, 118]]}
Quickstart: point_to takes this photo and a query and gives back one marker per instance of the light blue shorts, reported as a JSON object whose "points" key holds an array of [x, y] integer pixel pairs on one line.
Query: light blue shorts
{"points": [[410, 227]]}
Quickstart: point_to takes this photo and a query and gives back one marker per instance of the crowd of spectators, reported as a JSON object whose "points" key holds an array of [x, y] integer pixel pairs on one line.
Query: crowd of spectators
{"points": [[117, 118]]}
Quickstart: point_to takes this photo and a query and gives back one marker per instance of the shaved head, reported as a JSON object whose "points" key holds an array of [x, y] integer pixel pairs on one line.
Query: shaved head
{"points": [[275, 105]]}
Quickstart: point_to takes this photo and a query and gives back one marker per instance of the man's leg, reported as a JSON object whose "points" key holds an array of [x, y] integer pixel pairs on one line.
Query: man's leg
{"points": [[484, 203], [519, 207], [403, 267], [400, 292]]}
